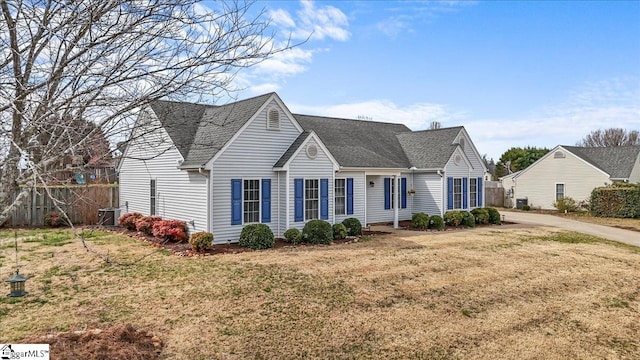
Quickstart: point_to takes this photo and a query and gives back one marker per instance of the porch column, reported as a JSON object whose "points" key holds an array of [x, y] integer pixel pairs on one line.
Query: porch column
{"points": [[396, 200]]}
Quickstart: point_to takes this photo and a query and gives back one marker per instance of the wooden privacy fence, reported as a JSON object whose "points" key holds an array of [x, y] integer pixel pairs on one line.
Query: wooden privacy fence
{"points": [[494, 194], [80, 202]]}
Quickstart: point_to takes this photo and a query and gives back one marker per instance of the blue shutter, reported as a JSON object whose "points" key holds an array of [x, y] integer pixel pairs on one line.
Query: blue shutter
{"points": [[298, 195], [349, 196], [449, 193], [387, 193], [266, 200], [324, 199], [480, 197], [465, 193], [403, 192], [236, 201]]}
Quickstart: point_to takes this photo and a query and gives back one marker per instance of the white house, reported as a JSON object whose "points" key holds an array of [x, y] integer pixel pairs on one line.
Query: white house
{"points": [[570, 171], [221, 167]]}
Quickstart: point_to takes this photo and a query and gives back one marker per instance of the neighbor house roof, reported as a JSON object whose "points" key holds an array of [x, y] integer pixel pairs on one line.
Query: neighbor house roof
{"points": [[616, 161], [200, 131], [358, 143], [429, 149]]}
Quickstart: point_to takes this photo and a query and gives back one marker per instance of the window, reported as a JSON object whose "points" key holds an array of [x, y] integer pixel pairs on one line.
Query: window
{"points": [[457, 193], [311, 199], [559, 191], [251, 201], [273, 119], [152, 197], [393, 193], [340, 196], [473, 192]]}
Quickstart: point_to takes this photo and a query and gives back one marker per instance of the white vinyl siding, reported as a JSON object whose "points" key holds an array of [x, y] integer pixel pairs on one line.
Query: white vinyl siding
{"points": [[251, 155], [155, 157], [302, 167], [429, 194], [538, 182], [375, 201]]}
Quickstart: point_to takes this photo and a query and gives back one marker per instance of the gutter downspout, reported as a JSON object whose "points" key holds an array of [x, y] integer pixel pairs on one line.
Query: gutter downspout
{"points": [[209, 199], [444, 193], [287, 205]]}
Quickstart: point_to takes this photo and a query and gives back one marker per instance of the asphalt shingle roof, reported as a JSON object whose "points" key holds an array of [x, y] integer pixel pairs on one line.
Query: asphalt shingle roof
{"points": [[200, 131], [357, 143], [292, 149], [429, 149], [617, 161]]}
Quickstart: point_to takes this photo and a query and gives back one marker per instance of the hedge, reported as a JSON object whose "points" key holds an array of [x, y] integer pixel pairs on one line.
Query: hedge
{"points": [[620, 201]]}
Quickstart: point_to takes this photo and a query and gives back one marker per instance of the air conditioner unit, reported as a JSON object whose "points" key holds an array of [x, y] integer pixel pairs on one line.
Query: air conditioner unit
{"points": [[108, 216]]}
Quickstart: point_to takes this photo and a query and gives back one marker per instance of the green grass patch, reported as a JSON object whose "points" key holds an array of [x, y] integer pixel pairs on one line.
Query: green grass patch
{"points": [[58, 238], [572, 237]]}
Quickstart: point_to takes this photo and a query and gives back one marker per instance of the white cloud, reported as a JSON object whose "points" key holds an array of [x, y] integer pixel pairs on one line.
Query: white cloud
{"points": [[313, 22], [403, 18]]}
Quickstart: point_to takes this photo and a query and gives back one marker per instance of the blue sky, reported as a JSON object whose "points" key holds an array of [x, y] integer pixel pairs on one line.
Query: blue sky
{"points": [[518, 73]]}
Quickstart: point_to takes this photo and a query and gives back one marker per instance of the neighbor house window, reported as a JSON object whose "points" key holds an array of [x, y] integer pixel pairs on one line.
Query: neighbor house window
{"points": [[457, 193], [251, 201], [152, 197], [559, 191], [340, 196], [473, 192], [311, 203]]}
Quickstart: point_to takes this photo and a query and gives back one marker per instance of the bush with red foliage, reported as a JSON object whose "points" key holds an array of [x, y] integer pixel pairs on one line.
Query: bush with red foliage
{"points": [[171, 230], [128, 220], [145, 224]]}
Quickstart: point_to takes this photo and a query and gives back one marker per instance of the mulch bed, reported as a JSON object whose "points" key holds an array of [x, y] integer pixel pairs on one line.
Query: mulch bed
{"points": [[121, 342], [184, 249]]}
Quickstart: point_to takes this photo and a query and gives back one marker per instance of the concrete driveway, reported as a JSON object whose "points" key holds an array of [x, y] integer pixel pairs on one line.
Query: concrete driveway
{"points": [[606, 232]]}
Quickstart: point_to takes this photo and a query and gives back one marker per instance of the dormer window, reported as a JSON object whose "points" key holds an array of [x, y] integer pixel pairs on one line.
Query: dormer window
{"points": [[558, 155], [273, 119]]}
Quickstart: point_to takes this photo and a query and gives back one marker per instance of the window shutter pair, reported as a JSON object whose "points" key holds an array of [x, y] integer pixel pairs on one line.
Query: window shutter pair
{"points": [[298, 196], [236, 201]]}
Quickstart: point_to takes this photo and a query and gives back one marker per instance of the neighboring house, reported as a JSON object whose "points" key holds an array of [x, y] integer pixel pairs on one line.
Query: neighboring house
{"points": [[570, 171], [253, 161]]}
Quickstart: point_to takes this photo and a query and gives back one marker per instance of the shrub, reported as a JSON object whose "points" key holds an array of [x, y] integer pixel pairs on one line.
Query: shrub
{"points": [[353, 225], [436, 222], [317, 232], [453, 218], [292, 236], [201, 241], [420, 220], [128, 220], [526, 207], [494, 216], [468, 219], [339, 231], [566, 204], [617, 200], [481, 215], [54, 219], [257, 237], [144, 224], [171, 230]]}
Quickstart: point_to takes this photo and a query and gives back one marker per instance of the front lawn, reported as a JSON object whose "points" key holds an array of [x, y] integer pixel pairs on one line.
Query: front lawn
{"points": [[488, 293]]}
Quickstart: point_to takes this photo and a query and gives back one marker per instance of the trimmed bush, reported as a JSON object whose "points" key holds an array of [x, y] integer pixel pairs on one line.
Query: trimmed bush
{"points": [[566, 204], [481, 215], [144, 224], [257, 237], [494, 216], [171, 230], [293, 236], [453, 218], [339, 231], [617, 200], [201, 241], [420, 220], [436, 222], [54, 219], [526, 208], [468, 219], [317, 232], [128, 220], [353, 225]]}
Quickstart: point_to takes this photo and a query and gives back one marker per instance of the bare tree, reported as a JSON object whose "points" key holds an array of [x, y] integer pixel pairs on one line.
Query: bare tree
{"points": [[102, 60], [611, 137]]}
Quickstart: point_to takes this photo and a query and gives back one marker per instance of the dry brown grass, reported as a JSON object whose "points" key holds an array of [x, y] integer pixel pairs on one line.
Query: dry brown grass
{"points": [[623, 223], [491, 293]]}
